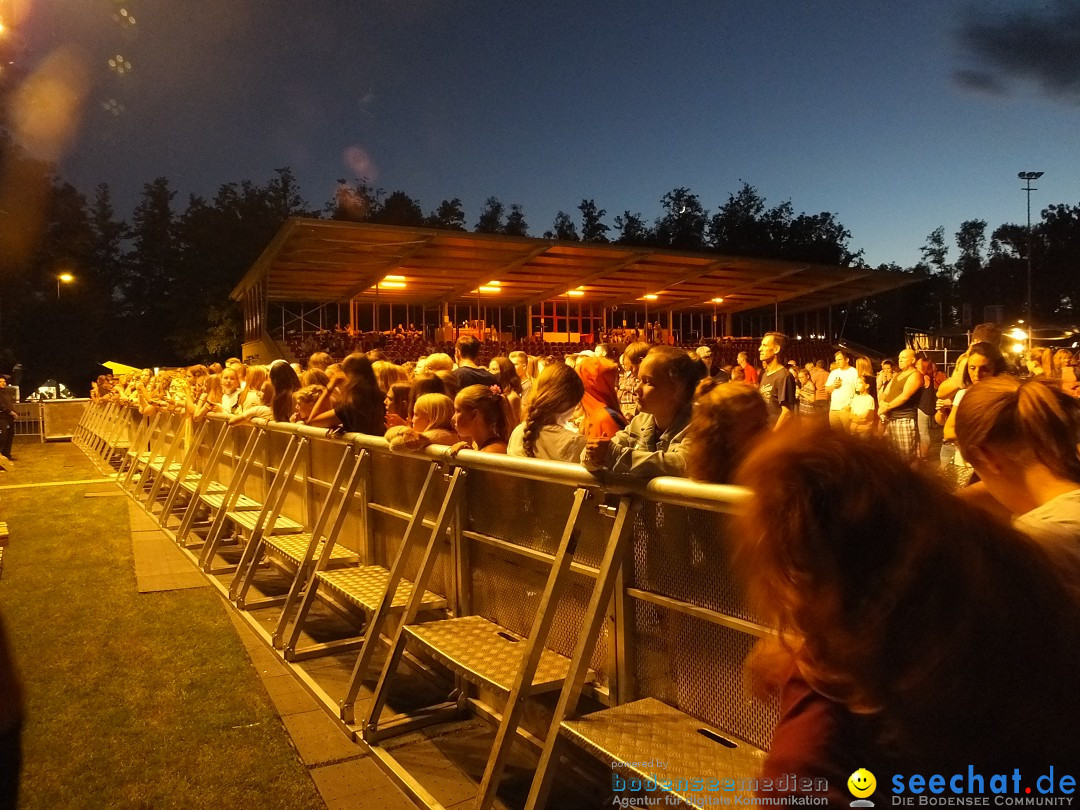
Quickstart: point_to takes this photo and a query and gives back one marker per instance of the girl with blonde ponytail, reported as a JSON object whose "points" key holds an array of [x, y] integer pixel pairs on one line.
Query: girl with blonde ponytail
{"points": [[482, 417], [544, 433]]}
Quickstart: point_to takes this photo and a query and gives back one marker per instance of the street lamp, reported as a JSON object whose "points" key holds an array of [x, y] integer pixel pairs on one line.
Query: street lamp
{"points": [[66, 278], [1027, 177]]}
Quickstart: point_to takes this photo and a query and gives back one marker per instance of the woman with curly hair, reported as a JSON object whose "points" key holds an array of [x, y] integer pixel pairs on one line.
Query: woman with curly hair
{"points": [[901, 648], [545, 432], [727, 421]]}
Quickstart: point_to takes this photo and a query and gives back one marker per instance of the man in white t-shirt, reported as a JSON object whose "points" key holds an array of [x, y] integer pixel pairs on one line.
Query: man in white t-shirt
{"points": [[841, 385]]}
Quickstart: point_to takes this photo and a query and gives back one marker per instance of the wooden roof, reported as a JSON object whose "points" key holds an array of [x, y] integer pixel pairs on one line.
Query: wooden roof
{"points": [[332, 261]]}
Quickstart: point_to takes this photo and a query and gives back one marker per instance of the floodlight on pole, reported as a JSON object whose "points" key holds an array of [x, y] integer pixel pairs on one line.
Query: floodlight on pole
{"points": [[1027, 177]]}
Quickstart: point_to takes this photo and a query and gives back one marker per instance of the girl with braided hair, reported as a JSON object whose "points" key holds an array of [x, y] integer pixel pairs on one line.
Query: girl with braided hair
{"points": [[545, 432]]}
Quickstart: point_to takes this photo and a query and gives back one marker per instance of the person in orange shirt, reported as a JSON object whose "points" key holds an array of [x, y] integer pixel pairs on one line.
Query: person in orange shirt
{"points": [[603, 413], [750, 373]]}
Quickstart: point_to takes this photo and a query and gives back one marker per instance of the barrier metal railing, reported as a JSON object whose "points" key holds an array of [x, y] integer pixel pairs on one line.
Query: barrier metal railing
{"points": [[503, 578]]}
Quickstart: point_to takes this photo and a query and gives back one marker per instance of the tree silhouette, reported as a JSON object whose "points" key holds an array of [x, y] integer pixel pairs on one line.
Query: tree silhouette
{"points": [[737, 227], [399, 209], [592, 227], [491, 217], [682, 226], [633, 230], [935, 252], [449, 216], [563, 229], [515, 222], [358, 202], [970, 241]]}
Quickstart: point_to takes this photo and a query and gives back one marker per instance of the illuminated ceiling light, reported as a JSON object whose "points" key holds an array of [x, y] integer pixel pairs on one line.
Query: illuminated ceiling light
{"points": [[576, 293], [718, 300], [1018, 348], [493, 284], [393, 278], [1018, 333], [391, 285], [67, 278], [487, 289]]}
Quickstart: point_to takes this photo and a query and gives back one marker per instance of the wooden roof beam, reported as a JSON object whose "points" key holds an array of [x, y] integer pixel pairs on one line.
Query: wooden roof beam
{"points": [[741, 288], [560, 290], [690, 276], [491, 274], [779, 299], [392, 264]]}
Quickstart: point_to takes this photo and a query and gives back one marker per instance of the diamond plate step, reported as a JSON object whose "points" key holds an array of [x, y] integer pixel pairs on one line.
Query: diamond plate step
{"points": [[282, 525], [486, 654], [243, 503], [293, 547], [651, 740], [365, 586]]}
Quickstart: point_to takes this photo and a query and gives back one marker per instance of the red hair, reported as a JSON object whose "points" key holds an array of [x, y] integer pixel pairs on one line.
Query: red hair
{"points": [[955, 640]]}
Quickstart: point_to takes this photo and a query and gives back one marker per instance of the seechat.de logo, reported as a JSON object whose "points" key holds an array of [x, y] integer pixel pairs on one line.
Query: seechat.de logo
{"points": [[862, 785]]}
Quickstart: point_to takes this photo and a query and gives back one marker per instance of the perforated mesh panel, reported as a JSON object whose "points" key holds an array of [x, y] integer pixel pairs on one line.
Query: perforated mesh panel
{"points": [[508, 592], [323, 458], [696, 666], [389, 532], [525, 513], [396, 480], [685, 554]]}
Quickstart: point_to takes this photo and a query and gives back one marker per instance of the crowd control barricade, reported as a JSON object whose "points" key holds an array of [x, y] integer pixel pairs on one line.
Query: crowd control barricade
{"points": [[597, 622]]}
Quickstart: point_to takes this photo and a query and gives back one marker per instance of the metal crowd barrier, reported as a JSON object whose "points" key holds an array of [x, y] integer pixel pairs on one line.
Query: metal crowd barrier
{"points": [[589, 619]]}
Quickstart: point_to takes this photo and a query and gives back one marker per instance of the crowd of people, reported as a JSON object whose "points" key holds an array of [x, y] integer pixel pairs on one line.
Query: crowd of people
{"points": [[926, 620]]}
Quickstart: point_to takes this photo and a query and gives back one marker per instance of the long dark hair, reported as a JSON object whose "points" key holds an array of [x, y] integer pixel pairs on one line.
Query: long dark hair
{"points": [[507, 376], [286, 383], [361, 396], [991, 353]]}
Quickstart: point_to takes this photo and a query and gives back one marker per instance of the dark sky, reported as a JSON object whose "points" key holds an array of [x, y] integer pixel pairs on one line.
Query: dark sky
{"points": [[898, 117]]}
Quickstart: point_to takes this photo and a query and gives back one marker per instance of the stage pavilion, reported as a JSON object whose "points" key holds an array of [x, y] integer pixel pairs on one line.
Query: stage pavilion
{"points": [[320, 275]]}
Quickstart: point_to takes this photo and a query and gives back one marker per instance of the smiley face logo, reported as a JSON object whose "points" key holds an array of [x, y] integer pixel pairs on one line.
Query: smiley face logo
{"points": [[862, 783]]}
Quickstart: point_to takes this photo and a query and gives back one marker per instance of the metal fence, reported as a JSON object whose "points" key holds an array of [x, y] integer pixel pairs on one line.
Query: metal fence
{"points": [[616, 594]]}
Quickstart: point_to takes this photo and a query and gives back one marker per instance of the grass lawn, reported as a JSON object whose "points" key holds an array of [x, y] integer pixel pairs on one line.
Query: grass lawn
{"points": [[132, 700]]}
